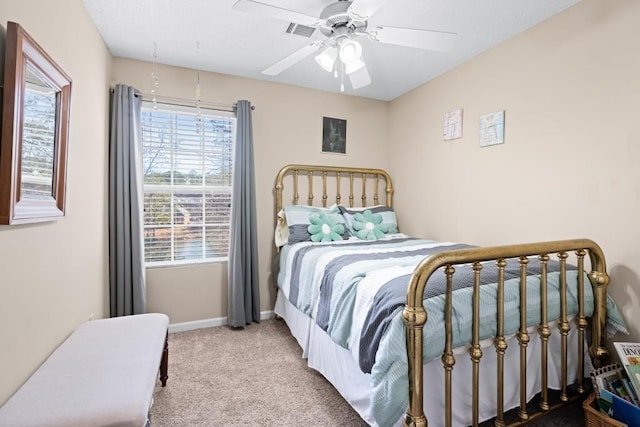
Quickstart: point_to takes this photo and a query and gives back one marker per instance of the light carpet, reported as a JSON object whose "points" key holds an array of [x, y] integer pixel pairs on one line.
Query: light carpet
{"points": [[251, 377], [257, 377]]}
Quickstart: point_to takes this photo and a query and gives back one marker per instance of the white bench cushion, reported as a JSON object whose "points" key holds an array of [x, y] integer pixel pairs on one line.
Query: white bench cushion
{"points": [[104, 374]]}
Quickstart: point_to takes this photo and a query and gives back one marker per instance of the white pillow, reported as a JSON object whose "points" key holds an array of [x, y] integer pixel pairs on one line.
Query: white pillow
{"points": [[282, 230]]}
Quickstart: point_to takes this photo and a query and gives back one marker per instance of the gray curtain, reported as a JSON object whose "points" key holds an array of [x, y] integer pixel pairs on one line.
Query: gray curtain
{"points": [[126, 250], [244, 293]]}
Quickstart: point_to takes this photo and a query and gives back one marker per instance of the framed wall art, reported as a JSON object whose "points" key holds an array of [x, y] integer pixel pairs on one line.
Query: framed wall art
{"points": [[452, 125], [334, 135], [492, 129]]}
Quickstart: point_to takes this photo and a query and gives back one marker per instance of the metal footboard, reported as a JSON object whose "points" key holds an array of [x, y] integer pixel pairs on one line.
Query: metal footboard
{"points": [[415, 318]]}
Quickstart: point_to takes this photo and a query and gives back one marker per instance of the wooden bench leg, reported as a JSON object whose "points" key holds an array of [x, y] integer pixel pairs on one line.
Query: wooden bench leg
{"points": [[164, 363]]}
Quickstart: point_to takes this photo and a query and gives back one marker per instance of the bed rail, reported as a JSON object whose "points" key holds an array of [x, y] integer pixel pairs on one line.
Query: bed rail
{"points": [[415, 318]]}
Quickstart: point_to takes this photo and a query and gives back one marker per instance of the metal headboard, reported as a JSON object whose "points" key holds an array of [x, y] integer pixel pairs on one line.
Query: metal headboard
{"points": [[332, 179]]}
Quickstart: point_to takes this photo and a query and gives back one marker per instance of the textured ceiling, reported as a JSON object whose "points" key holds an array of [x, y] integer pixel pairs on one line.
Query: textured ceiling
{"points": [[209, 35]]}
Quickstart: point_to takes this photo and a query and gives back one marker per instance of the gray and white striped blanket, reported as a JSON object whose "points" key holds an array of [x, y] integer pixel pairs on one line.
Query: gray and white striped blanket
{"points": [[355, 290]]}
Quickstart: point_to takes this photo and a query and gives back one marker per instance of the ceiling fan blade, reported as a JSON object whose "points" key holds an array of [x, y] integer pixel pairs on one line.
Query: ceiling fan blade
{"points": [[276, 12], [363, 9], [360, 78], [295, 57], [440, 41]]}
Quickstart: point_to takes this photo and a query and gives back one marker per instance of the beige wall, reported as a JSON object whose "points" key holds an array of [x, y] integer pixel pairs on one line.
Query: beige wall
{"points": [[53, 276], [570, 166], [287, 127]]}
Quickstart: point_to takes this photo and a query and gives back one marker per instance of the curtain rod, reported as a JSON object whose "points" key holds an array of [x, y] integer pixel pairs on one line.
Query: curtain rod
{"points": [[188, 102]]}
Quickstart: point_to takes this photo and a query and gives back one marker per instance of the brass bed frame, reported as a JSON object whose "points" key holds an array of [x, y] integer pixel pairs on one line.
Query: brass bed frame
{"points": [[333, 180]]}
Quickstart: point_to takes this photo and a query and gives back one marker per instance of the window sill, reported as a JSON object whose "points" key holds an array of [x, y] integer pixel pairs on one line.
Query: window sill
{"points": [[185, 263]]}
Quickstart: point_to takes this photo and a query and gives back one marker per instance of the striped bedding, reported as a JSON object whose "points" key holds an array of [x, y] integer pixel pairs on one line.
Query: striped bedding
{"points": [[355, 290]]}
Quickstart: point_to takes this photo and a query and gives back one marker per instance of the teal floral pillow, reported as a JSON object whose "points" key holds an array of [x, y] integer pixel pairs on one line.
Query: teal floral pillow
{"points": [[296, 220], [325, 228], [369, 226], [388, 225]]}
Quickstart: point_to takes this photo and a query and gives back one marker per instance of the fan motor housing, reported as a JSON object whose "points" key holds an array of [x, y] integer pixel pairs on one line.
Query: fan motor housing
{"points": [[336, 16]]}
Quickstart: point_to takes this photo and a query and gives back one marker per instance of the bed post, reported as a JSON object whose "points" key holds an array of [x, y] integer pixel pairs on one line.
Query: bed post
{"points": [[279, 187], [599, 281], [598, 349], [415, 316]]}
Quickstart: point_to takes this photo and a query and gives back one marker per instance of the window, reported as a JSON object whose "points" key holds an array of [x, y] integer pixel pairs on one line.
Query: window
{"points": [[187, 165]]}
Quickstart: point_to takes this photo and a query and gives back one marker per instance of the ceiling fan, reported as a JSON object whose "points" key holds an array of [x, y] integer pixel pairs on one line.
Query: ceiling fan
{"points": [[342, 22]]}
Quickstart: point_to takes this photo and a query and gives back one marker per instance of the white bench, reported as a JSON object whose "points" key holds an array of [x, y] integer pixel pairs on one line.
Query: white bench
{"points": [[103, 374]]}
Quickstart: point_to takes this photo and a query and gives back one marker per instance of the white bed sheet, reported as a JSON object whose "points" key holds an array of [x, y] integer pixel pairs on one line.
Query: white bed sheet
{"points": [[339, 367]]}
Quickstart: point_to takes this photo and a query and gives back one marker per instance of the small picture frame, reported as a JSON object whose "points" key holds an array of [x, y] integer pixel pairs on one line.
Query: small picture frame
{"points": [[452, 125], [492, 129], [334, 135]]}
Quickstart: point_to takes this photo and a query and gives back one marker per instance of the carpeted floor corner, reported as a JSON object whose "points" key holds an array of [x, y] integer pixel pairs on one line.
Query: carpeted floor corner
{"points": [[257, 377]]}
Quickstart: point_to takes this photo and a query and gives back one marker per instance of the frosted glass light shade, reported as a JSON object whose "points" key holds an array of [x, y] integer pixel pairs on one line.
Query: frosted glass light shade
{"points": [[327, 58], [353, 66], [350, 51]]}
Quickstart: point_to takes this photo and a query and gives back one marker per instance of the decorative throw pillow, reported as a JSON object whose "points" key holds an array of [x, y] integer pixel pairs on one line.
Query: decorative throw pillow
{"points": [[281, 235], [388, 218], [297, 220], [325, 228], [368, 226]]}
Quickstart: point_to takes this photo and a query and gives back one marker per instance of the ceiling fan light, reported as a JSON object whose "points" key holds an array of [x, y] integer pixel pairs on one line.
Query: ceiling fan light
{"points": [[327, 58], [353, 66], [350, 51], [360, 78]]}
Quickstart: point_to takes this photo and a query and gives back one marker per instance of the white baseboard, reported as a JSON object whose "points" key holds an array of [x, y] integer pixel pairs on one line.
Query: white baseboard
{"points": [[210, 323]]}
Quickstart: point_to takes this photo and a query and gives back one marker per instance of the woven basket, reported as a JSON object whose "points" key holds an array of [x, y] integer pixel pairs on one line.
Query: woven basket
{"points": [[594, 418]]}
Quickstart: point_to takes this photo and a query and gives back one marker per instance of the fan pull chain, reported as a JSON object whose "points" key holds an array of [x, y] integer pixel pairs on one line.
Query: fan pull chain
{"points": [[341, 77]]}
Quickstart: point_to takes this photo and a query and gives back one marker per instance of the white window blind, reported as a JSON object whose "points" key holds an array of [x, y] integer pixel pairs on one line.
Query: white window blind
{"points": [[188, 165]]}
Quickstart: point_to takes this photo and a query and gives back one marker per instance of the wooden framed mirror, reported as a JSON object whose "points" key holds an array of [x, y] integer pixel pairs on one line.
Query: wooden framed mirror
{"points": [[35, 128]]}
